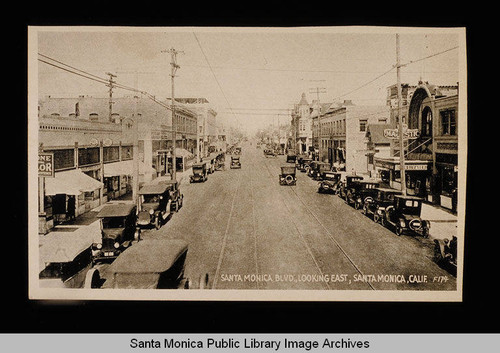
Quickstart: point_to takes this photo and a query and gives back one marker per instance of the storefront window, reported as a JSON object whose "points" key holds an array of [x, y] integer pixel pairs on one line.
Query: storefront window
{"points": [[127, 152], [111, 154], [448, 180], [64, 159], [87, 156]]}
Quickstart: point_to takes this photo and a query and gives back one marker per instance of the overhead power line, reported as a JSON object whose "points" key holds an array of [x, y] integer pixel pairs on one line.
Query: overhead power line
{"points": [[104, 81], [213, 73]]}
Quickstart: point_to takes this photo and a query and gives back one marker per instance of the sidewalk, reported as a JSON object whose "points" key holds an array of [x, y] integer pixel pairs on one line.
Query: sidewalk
{"points": [[443, 223]]}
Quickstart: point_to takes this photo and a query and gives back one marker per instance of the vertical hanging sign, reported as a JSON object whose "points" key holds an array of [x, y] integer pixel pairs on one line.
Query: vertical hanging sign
{"points": [[46, 164]]}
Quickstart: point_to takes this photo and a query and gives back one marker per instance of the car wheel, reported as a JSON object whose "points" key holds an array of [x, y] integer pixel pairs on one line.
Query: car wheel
{"points": [[364, 211], [399, 230], [383, 221], [376, 218]]}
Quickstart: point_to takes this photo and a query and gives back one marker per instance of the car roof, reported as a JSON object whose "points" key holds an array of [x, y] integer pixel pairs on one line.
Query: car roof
{"points": [[389, 190], [158, 188], [119, 209], [365, 181], [409, 197], [149, 256]]}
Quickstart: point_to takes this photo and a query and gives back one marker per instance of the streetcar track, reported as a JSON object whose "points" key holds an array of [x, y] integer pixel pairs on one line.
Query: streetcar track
{"points": [[328, 233], [301, 235], [226, 232], [256, 258]]}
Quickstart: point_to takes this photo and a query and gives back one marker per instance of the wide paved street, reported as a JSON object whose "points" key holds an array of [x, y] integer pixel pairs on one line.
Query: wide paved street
{"points": [[248, 232]]}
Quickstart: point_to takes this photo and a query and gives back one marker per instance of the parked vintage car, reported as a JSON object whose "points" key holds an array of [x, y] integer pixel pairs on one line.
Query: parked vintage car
{"points": [[319, 169], [288, 175], [303, 164], [445, 254], [220, 161], [235, 162], [377, 204], [291, 157], [310, 168], [359, 191], [200, 173], [118, 230], [152, 264], [65, 259], [329, 182], [209, 161], [404, 216], [157, 201], [345, 183], [269, 153]]}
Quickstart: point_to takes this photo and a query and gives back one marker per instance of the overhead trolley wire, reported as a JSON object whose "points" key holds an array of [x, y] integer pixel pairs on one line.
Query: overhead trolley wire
{"points": [[213, 73]]}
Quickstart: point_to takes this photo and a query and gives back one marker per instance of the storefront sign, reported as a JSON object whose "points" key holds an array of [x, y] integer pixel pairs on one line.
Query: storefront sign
{"points": [[46, 164], [393, 134]]}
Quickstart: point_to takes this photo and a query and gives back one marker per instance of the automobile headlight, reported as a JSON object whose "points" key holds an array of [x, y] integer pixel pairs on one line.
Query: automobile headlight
{"points": [[116, 245], [402, 223], [98, 246], [379, 212], [151, 211]]}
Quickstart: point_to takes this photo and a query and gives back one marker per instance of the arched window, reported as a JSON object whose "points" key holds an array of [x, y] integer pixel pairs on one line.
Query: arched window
{"points": [[426, 122]]}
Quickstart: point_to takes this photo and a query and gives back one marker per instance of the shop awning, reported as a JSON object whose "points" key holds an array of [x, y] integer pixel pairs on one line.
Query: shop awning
{"points": [[125, 168], [392, 163], [71, 182]]}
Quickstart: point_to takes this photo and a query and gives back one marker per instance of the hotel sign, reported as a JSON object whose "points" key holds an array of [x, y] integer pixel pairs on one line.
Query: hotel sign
{"points": [[46, 164]]}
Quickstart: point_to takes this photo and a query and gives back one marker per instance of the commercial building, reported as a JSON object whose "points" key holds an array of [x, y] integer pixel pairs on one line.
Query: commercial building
{"points": [[431, 159], [343, 134], [302, 126], [93, 149]]}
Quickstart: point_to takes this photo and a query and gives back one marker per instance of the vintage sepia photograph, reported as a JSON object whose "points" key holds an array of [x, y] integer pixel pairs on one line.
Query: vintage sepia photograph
{"points": [[247, 163]]}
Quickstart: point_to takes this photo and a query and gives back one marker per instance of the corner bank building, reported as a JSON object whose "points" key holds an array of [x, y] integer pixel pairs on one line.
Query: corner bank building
{"points": [[431, 160]]}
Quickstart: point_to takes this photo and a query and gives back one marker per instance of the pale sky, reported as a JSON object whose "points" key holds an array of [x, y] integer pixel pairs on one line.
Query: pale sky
{"points": [[257, 71]]}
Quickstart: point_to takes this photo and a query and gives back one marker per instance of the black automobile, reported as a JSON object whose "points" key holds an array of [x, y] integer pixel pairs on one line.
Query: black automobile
{"points": [[152, 264], [377, 204], [360, 191], [329, 182], [310, 168], [319, 169], [346, 182], [404, 216], [200, 173], [288, 175], [445, 254], [235, 162], [291, 157], [303, 164], [118, 230], [220, 161], [269, 153], [157, 201]]}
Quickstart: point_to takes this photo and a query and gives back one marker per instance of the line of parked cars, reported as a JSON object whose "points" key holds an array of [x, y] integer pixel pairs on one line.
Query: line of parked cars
{"points": [[386, 206]]}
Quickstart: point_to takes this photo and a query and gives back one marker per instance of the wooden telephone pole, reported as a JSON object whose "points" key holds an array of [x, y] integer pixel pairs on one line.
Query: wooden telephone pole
{"points": [[319, 90], [174, 67], [400, 118]]}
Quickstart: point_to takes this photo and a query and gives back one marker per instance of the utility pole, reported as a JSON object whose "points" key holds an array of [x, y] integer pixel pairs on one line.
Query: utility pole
{"points": [[319, 90], [174, 67], [400, 118], [110, 85]]}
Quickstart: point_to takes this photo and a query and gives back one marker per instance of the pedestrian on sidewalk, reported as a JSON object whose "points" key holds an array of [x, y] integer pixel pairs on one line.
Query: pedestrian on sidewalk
{"points": [[71, 207]]}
